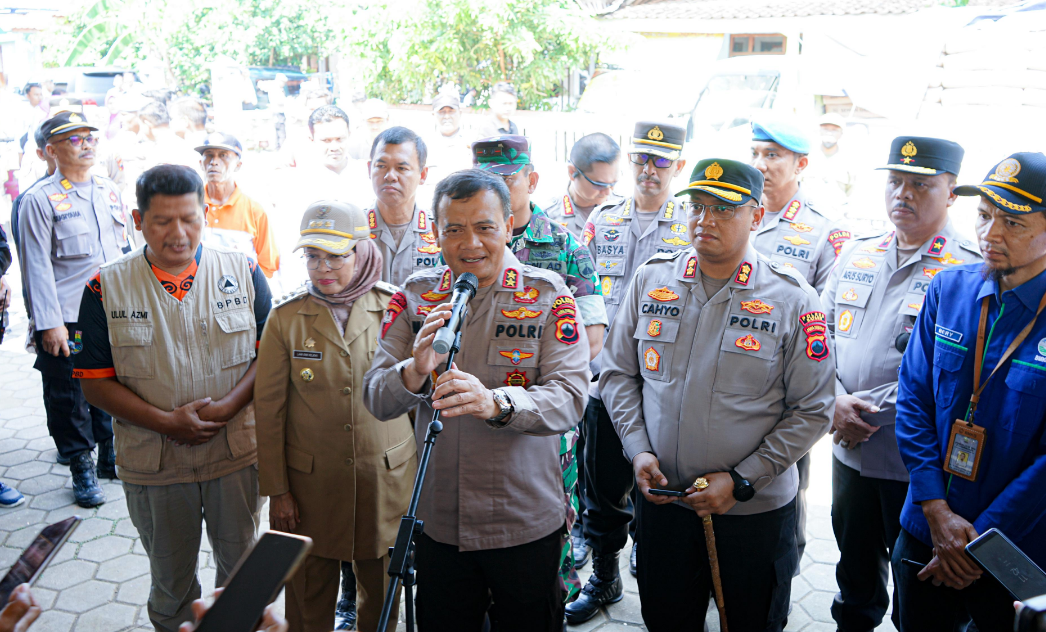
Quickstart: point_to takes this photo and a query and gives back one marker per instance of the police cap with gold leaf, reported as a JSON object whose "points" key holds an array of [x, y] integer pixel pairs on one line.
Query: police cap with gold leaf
{"points": [[333, 227], [729, 180], [661, 139], [924, 155], [64, 122], [1016, 185]]}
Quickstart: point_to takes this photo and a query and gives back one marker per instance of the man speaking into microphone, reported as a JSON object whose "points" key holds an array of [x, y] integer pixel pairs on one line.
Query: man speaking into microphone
{"points": [[492, 502]]}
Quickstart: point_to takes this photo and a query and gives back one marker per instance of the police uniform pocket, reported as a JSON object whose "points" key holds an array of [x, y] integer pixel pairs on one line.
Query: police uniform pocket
{"points": [[72, 237], [655, 360], [133, 355], [745, 359], [947, 361], [1030, 381], [237, 344], [659, 329]]}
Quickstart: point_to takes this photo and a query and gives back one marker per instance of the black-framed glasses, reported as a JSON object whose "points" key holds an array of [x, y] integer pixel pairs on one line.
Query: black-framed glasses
{"points": [[595, 183], [334, 262], [642, 159], [720, 212], [76, 140]]}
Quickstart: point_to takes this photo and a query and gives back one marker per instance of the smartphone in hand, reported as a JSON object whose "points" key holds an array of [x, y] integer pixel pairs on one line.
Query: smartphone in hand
{"points": [[37, 556]]}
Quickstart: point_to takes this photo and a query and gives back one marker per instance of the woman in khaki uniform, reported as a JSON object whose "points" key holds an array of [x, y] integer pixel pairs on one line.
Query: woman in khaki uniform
{"points": [[332, 471]]}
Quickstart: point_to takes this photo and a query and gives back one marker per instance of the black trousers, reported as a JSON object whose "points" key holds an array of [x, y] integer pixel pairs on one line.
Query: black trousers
{"points": [[757, 557], [866, 519], [74, 424], [519, 586], [929, 608], [609, 483]]}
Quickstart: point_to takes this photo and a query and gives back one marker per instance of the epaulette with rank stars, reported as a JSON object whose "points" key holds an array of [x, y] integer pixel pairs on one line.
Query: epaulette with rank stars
{"points": [[295, 294]]}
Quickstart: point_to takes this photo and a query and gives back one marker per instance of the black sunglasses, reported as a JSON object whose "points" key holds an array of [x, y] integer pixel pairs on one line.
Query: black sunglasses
{"points": [[595, 183]]}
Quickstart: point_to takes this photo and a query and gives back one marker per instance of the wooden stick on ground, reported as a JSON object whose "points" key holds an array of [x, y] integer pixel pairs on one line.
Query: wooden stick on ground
{"points": [[713, 560]]}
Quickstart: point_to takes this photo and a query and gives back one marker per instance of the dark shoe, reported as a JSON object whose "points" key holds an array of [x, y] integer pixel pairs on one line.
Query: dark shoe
{"points": [[106, 460], [632, 560], [85, 484], [345, 612], [582, 552], [62, 460], [603, 587]]}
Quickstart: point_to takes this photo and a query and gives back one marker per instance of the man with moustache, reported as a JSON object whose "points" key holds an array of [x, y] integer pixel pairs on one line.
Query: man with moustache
{"points": [[68, 225], [493, 501], [872, 299], [970, 410], [593, 172], [718, 366], [397, 167], [621, 237]]}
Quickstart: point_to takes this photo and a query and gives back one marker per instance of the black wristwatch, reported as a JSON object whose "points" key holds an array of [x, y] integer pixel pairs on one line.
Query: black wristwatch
{"points": [[743, 490]]}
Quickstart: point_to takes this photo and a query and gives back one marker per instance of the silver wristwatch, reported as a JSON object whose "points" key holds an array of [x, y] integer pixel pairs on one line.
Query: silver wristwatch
{"points": [[502, 400]]}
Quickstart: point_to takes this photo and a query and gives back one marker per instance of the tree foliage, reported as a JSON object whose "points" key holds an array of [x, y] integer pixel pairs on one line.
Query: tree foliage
{"points": [[405, 50]]}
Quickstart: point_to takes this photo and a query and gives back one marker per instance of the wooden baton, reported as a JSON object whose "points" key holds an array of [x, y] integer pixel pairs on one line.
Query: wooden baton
{"points": [[713, 561]]}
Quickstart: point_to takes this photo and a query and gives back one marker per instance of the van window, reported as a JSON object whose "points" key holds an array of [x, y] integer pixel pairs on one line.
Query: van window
{"points": [[752, 44]]}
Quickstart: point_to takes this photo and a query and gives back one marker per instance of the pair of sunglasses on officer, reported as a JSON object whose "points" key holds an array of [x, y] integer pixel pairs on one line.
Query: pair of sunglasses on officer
{"points": [[639, 159]]}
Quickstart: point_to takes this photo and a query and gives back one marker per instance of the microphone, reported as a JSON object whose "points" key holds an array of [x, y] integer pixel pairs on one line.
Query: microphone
{"points": [[464, 289]]}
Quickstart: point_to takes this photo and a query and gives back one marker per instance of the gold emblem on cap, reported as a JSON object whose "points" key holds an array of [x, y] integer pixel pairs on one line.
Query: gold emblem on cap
{"points": [[324, 210], [655, 134], [713, 171], [75, 118], [307, 375], [908, 151], [1006, 171], [309, 343]]}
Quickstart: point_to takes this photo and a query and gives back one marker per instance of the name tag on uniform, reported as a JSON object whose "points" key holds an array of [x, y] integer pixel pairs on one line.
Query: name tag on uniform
{"points": [[948, 334], [964, 450], [307, 355]]}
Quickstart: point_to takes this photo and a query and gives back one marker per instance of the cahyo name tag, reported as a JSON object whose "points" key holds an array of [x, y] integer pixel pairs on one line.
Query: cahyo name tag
{"points": [[965, 447]]}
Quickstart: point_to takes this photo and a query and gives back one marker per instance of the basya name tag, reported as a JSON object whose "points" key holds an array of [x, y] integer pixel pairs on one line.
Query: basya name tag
{"points": [[307, 355]]}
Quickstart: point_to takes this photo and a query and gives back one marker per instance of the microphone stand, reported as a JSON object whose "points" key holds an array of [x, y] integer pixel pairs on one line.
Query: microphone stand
{"points": [[401, 562]]}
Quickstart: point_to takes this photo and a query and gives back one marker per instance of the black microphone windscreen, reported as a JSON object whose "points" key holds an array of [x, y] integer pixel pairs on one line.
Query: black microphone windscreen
{"points": [[467, 282]]}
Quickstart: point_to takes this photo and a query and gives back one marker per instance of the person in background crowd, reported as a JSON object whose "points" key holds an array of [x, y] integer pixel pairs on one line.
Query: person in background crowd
{"points": [[620, 237], [332, 471], [715, 368], [503, 102], [448, 147], [541, 243], [398, 165], [68, 225], [970, 422], [830, 169], [375, 116], [341, 177], [593, 170], [795, 232], [170, 332], [189, 120], [158, 143], [234, 220], [9, 496], [505, 400], [871, 301]]}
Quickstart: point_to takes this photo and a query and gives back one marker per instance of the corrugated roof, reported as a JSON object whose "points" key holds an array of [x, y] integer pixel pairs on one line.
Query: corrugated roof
{"points": [[741, 9]]}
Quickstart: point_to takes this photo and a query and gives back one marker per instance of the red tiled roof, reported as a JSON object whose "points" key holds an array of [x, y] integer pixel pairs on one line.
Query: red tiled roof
{"points": [[740, 9]]}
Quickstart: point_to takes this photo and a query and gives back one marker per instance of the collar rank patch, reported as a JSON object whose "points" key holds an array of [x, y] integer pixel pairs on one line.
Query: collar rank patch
{"points": [[885, 243], [744, 273], [66, 184], [793, 210], [568, 207], [652, 359], [654, 328], [527, 295], [521, 313], [422, 222], [372, 219], [691, 268], [756, 307], [511, 279], [662, 294], [670, 210], [748, 343], [516, 378], [516, 356], [937, 246]]}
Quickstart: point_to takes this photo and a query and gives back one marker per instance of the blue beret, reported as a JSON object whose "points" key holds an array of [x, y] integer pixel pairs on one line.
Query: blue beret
{"points": [[784, 134]]}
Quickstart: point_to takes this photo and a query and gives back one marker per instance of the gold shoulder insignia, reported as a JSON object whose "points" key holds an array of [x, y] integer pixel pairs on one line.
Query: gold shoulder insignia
{"points": [[300, 292]]}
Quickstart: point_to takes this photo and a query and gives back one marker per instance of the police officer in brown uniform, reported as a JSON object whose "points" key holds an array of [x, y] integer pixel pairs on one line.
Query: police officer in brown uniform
{"points": [[493, 503], [872, 299], [621, 237], [717, 366], [333, 472]]}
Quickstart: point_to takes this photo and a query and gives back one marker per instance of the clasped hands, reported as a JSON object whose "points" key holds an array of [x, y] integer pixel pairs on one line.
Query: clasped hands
{"points": [[717, 498]]}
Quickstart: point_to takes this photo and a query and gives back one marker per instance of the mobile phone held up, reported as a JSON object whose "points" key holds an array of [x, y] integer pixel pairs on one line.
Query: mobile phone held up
{"points": [[37, 556], [255, 582], [1001, 559]]}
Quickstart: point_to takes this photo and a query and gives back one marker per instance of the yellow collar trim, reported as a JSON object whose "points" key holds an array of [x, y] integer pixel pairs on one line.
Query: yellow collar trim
{"points": [[1037, 200], [724, 185]]}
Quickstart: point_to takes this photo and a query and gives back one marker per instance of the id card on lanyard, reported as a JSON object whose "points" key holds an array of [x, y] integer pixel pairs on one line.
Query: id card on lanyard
{"points": [[966, 442]]}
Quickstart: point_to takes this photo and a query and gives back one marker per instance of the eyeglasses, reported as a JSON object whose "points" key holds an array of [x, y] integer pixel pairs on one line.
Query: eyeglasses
{"points": [[334, 262], [642, 159], [598, 185], [77, 140], [720, 212]]}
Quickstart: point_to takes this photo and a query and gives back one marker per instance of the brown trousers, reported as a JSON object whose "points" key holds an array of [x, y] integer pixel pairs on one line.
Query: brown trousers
{"points": [[312, 594]]}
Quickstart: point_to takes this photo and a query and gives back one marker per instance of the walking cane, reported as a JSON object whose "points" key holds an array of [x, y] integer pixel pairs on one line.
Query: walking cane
{"points": [[713, 560]]}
